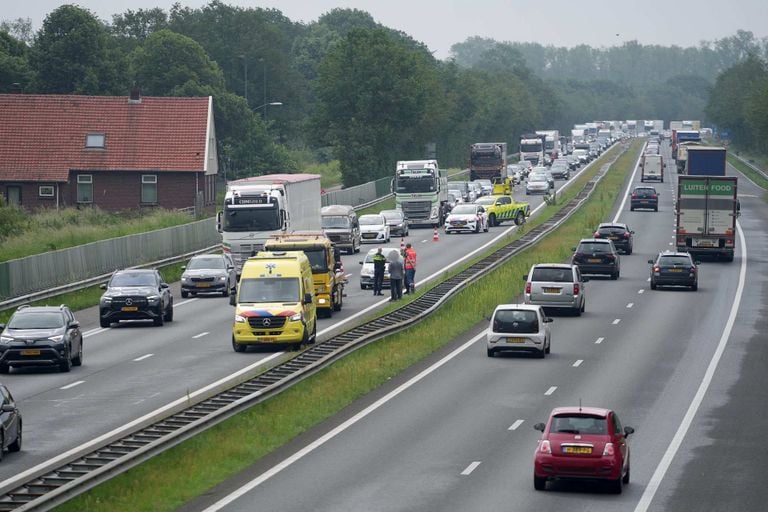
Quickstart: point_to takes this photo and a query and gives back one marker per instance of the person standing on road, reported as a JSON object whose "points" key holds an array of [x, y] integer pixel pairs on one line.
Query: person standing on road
{"points": [[379, 263], [395, 276], [410, 268]]}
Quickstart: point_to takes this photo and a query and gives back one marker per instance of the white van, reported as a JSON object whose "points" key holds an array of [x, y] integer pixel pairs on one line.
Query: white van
{"points": [[652, 168]]}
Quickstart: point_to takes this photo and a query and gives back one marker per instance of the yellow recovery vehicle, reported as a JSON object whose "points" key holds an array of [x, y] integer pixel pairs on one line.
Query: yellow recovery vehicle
{"points": [[503, 186], [327, 273], [503, 207]]}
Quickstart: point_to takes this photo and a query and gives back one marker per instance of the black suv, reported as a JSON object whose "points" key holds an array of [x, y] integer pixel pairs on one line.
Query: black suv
{"points": [[597, 256], [644, 197], [10, 419], [619, 234], [136, 294], [41, 336], [672, 268]]}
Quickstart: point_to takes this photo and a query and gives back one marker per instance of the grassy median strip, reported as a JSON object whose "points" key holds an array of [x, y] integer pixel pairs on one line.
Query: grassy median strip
{"points": [[758, 178], [189, 469]]}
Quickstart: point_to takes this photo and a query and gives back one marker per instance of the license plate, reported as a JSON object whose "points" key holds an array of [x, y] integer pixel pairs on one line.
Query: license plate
{"points": [[551, 290], [267, 339], [675, 270], [130, 308], [30, 352], [594, 260], [577, 450], [515, 340], [705, 243], [613, 238], [203, 285]]}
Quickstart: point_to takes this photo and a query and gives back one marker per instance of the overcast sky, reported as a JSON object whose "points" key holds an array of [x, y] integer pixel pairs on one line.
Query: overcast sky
{"points": [[439, 24]]}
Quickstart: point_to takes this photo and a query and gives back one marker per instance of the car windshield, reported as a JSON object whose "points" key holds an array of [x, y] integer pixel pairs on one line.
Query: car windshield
{"points": [[669, 261], [486, 200], [552, 274], [594, 247], [334, 221], [371, 220], [579, 424], [125, 279], [272, 289], [318, 259], [385, 252], [464, 209], [516, 321], [537, 177], [393, 215], [206, 263], [41, 320], [414, 184]]}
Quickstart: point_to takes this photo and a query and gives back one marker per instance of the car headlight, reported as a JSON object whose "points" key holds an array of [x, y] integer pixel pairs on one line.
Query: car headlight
{"points": [[298, 316], [366, 272], [6, 339], [223, 278], [106, 300], [153, 299], [57, 338], [184, 279], [239, 319]]}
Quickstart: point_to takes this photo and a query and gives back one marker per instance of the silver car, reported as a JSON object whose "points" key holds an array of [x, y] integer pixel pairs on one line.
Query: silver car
{"points": [[209, 273], [557, 286], [519, 328]]}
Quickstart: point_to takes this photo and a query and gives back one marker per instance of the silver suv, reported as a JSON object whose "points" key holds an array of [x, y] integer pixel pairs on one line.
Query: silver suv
{"points": [[556, 285]]}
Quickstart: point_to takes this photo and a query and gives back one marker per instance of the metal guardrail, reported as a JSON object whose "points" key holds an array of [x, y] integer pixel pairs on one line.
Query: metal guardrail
{"points": [[751, 165], [47, 487]]}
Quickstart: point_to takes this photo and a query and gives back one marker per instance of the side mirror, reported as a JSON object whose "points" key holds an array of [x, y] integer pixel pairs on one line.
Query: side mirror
{"points": [[584, 279], [307, 298], [628, 431], [103, 286], [547, 320], [73, 325], [525, 277], [697, 263], [539, 426], [650, 261], [183, 267], [8, 408], [360, 262], [2, 326], [164, 286], [573, 249]]}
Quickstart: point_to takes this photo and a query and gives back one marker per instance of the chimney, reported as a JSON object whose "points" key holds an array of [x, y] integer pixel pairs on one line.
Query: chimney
{"points": [[135, 96]]}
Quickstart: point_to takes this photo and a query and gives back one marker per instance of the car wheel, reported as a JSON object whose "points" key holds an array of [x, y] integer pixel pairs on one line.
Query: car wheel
{"points": [[656, 208], [15, 446], [225, 292], [577, 311], [477, 228], [492, 220], [653, 284], [169, 312], [625, 480], [78, 360], [631, 208], [4, 368], [2, 443], [490, 352], [184, 294], [616, 486], [313, 337], [66, 365], [548, 348], [614, 275], [695, 287], [159, 320], [541, 353], [238, 347], [519, 218], [539, 483]]}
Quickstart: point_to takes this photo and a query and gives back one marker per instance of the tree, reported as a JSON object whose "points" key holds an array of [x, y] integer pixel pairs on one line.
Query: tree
{"points": [[167, 61], [71, 54], [140, 24], [15, 73]]}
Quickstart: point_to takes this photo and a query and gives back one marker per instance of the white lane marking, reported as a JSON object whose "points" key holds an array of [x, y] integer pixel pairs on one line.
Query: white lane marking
{"points": [[641, 291], [550, 390], [629, 306], [630, 183], [471, 468], [69, 386], [92, 332], [200, 335], [599, 340], [147, 356], [339, 429], [516, 425], [670, 243], [578, 363], [186, 301], [616, 321], [131, 426], [648, 279], [682, 430]]}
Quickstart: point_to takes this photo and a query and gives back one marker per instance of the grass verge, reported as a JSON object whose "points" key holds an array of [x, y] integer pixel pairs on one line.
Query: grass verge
{"points": [[758, 178], [189, 469]]}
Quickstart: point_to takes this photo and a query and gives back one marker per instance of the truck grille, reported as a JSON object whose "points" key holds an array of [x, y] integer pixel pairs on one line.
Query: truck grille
{"points": [[266, 322], [417, 209]]}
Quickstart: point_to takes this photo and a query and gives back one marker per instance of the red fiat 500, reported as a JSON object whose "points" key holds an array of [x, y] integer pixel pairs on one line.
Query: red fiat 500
{"points": [[582, 443]]}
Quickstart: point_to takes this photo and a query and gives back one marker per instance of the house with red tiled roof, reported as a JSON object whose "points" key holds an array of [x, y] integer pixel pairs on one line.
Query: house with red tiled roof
{"points": [[115, 152]]}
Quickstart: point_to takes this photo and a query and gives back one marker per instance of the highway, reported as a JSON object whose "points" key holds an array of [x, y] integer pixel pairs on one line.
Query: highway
{"points": [[133, 370], [685, 369]]}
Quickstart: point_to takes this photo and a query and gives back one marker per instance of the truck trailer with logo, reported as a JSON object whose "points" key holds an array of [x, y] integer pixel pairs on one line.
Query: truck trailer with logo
{"points": [[706, 212]]}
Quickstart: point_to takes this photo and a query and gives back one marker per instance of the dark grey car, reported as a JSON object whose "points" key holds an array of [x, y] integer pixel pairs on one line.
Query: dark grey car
{"points": [[136, 294], [41, 336], [597, 256], [398, 224], [10, 419], [209, 273]]}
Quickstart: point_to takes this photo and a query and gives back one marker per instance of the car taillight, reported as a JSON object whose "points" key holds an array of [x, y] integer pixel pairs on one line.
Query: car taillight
{"points": [[575, 288], [656, 269], [608, 451], [528, 287], [693, 270], [653, 196], [597, 234], [626, 235], [545, 447], [634, 196], [610, 257]]}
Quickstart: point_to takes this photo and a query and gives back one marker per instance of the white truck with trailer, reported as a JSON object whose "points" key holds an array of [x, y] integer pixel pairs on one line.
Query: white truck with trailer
{"points": [[258, 207]]}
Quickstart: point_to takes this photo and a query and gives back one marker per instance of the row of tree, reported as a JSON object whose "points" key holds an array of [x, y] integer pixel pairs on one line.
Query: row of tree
{"points": [[351, 89]]}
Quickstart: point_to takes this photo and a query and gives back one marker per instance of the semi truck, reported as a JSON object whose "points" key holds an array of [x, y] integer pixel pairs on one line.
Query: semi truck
{"points": [[551, 143], [706, 212], [705, 161], [420, 188], [258, 207], [487, 160], [681, 140], [532, 148]]}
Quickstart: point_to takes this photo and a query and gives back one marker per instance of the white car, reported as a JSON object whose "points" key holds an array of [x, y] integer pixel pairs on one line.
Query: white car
{"points": [[537, 184], [468, 217], [373, 228], [366, 272], [519, 328]]}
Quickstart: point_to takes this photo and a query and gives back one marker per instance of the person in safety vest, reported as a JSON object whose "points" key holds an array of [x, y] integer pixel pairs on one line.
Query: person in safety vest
{"points": [[410, 268], [379, 264]]}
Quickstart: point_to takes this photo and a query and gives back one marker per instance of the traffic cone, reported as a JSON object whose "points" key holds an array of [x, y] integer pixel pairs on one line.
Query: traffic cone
{"points": [[435, 236], [402, 244]]}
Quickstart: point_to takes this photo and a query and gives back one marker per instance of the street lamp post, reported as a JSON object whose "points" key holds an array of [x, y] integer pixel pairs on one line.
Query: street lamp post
{"points": [[270, 104], [245, 77]]}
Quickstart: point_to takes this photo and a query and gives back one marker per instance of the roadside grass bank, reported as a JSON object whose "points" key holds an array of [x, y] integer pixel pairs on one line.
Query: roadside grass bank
{"points": [[749, 172], [186, 471], [23, 234]]}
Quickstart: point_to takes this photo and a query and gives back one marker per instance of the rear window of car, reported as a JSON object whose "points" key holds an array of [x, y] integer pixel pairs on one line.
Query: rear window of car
{"points": [[645, 191], [579, 424], [594, 247], [674, 260], [515, 321], [606, 230], [556, 275]]}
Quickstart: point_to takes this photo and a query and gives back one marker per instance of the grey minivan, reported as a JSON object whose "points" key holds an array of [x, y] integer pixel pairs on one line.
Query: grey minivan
{"points": [[556, 285]]}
